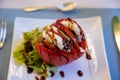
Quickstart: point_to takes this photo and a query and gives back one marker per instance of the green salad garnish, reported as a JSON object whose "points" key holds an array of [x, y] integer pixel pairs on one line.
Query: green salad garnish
{"points": [[26, 53]]}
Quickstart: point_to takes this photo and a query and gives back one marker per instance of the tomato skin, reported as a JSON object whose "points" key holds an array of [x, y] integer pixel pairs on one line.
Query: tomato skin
{"points": [[83, 44], [59, 58], [48, 45], [42, 53], [53, 55], [49, 56]]}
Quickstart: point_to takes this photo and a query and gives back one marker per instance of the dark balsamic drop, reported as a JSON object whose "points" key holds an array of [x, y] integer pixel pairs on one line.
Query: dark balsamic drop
{"points": [[62, 74], [42, 78], [52, 73], [88, 56], [36, 78], [29, 70], [28, 46], [79, 72]]}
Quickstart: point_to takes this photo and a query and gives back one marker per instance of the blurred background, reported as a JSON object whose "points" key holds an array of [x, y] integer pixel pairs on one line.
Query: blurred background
{"points": [[81, 3]]}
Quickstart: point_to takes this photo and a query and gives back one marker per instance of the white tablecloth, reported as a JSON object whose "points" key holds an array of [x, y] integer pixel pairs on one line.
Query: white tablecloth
{"points": [[81, 3]]}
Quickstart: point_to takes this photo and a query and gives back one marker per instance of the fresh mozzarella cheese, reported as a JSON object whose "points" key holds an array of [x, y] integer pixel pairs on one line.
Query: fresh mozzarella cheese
{"points": [[65, 23], [76, 29], [59, 41], [54, 28], [46, 36], [72, 26]]}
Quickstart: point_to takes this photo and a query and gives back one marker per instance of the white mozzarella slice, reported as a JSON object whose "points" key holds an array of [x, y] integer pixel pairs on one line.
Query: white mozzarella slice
{"points": [[76, 29], [59, 41], [54, 28], [73, 26], [46, 36], [65, 23]]}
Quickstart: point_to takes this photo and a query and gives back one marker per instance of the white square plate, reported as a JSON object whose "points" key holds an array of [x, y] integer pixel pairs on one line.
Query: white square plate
{"points": [[94, 69]]}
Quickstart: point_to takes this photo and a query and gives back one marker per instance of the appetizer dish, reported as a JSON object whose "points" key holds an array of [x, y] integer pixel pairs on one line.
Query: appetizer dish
{"points": [[61, 42], [57, 44]]}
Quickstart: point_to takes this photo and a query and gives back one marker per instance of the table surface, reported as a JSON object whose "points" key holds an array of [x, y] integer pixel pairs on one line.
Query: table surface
{"points": [[10, 12], [113, 56], [81, 3]]}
